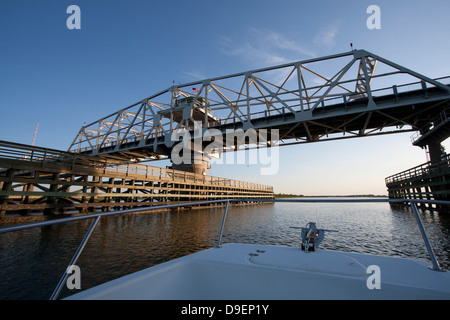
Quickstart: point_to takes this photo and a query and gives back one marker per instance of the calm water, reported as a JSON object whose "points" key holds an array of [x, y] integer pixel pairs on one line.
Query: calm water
{"points": [[32, 261]]}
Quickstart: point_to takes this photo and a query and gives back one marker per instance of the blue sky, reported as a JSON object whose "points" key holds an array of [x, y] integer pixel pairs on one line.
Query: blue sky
{"points": [[129, 50]]}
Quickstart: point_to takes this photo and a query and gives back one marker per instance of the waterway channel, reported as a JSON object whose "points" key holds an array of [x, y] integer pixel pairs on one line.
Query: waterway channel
{"points": [[32, 261]]}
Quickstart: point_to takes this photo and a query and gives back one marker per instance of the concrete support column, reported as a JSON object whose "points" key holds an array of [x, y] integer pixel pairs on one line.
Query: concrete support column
{"points": [[435, 152], [199, 164]]}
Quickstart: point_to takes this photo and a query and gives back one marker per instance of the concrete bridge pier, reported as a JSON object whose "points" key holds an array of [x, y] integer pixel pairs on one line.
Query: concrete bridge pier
{"points": [[432, 135], [198, 163], [435, 152], [438, 163]]}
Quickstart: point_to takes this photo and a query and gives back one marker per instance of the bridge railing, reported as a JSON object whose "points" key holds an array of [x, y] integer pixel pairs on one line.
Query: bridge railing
{"points": [[182, 176], [419, 170], [16, 151]]}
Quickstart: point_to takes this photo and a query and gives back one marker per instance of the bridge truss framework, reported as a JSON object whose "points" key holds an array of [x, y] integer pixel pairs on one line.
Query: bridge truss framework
{"points": [[353, 94]]}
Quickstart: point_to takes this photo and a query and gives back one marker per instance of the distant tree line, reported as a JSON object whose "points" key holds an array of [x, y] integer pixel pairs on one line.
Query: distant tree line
{"points": [[283, 195]]}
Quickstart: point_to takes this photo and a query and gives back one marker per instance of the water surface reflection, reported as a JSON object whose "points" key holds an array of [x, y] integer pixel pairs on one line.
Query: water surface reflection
{"points": [[32, 261]]}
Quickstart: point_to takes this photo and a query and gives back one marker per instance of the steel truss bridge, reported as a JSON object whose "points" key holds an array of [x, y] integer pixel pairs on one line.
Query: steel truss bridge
{"points": [[348, 95]]}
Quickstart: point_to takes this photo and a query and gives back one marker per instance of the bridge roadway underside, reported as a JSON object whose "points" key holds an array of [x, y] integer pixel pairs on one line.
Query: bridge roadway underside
{"points": [[402, 112]]}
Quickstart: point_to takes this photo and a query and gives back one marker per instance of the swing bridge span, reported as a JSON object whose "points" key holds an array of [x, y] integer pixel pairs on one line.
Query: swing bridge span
{"points": [[349, 95]]}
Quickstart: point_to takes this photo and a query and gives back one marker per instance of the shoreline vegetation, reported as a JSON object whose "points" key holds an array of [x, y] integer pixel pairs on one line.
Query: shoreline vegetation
{"points": [[285, 196]]}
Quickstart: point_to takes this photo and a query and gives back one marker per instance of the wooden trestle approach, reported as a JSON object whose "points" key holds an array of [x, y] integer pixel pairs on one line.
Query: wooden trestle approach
{"points": [[36, 180], [429, 181]]}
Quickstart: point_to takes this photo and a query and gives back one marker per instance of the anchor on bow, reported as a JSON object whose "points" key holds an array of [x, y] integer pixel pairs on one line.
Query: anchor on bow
{"points": [[311, 236]]}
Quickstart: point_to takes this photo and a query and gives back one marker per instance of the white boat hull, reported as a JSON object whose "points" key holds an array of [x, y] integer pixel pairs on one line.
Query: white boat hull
{"points": [[258, 272]]}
